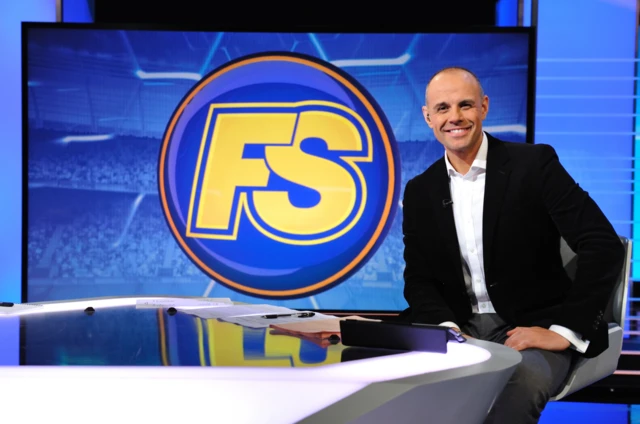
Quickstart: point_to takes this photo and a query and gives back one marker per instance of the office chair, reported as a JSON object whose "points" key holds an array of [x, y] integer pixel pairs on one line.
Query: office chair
{"points": [[585, 371]]}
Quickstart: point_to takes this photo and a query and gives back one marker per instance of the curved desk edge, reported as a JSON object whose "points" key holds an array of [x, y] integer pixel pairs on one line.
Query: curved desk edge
{"points": [[459, 395]]}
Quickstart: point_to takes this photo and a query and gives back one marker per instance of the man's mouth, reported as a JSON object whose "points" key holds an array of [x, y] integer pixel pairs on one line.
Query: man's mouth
{"points": [[458, 131]]}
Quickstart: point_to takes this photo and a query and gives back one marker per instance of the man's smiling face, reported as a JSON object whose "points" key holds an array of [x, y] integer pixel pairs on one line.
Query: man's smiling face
{"points": [[455, 110]]}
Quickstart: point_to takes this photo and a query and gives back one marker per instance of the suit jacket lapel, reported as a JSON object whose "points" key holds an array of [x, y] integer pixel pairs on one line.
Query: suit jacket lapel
{"points": [[444, 215], [497, 179]]}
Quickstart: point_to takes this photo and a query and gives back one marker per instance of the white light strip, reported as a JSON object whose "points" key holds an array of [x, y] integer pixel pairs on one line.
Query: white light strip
{"points": [[79, 305], [86, 138], [586, 96], [574, 78], [400, 60], [314, 302], [582, 133], [381, 368], [587, 60], [521, 129], [168, 75], [207, 291], [588, 115]]}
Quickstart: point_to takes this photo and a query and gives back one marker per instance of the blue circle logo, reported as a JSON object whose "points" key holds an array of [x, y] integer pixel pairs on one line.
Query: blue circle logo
{"points": [[279, 175]]}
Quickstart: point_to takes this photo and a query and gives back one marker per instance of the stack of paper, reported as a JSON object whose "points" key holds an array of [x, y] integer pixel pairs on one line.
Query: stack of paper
{"points": [[182, 304], [259, 321], [257, 316]]}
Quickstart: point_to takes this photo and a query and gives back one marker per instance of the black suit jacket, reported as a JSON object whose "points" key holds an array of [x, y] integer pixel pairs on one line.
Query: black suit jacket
{"points": [[530, 201]]}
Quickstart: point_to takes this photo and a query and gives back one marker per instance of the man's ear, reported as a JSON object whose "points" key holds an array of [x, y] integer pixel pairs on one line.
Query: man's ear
{"points": [[426, 115], [485, 106]]}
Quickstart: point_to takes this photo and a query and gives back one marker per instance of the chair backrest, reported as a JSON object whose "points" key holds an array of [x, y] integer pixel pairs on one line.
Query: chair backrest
{"points": [[617, 308]]}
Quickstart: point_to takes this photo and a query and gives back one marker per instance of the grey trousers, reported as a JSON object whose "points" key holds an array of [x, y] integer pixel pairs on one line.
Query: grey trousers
{"points": [[536, 379]]}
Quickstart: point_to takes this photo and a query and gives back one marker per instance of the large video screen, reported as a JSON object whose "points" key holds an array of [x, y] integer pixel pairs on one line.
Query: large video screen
{"points": [[264, 167]]}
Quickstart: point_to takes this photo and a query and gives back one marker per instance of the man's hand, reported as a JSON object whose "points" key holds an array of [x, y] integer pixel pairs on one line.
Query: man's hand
{"points": [[521, 338]]}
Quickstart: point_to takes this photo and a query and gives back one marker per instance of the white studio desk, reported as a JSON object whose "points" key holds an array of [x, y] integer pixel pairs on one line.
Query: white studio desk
{"points": [[134, 365]]}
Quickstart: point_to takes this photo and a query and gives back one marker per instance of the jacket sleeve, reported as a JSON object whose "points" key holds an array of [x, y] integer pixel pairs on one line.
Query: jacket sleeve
{"points": [[421, 289], [590, 234]]}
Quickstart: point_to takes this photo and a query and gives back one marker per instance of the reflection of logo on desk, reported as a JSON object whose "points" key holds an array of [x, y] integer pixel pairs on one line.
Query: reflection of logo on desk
{"points": [[278, 175]]}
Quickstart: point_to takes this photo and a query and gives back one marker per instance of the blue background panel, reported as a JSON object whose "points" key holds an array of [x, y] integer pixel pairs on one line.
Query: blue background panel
{"points": [[584, 101], [11, 15], [78, 10]]}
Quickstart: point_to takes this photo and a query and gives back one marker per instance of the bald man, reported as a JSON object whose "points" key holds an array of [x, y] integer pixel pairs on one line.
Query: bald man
{"points": [[482, 229]]}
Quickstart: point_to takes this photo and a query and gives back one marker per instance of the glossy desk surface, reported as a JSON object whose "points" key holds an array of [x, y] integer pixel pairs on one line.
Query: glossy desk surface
{"points": [[148, 357], [126, 336], [116, 332]]}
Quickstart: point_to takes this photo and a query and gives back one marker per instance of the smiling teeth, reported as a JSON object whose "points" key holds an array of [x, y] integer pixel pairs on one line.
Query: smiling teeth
{"points": [[457, 131]]}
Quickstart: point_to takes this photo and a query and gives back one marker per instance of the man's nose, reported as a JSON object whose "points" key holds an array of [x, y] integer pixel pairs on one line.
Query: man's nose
{"points": [[456, 115]]}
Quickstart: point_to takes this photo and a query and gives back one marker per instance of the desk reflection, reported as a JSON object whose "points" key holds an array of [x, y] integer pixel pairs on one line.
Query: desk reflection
{"points": [[128, 336]]}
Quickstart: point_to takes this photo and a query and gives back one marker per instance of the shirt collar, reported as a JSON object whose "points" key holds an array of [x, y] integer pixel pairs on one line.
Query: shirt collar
{"points": [[479, 163]]}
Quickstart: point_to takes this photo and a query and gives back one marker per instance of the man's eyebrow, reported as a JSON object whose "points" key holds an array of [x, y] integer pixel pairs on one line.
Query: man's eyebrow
{"points": [[461, 102]]}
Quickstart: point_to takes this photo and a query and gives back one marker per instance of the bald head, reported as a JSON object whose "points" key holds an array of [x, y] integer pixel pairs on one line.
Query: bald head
{"points": [[463, 74], [455, 108]]}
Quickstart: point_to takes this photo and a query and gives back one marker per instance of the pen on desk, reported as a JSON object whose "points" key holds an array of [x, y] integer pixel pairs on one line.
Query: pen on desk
{"points": [[6, 304], [299, 315]]}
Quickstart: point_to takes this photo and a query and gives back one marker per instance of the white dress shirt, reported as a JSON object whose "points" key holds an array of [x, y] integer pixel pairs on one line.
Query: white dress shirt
{"points": [[467, 194]]}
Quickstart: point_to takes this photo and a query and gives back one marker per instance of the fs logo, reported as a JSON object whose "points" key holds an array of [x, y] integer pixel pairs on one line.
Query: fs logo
{"points": [[278, 175]]}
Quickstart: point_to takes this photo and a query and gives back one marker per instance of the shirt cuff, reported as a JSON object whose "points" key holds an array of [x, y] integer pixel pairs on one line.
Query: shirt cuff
{"points": [[574, 338], [450, 324]]}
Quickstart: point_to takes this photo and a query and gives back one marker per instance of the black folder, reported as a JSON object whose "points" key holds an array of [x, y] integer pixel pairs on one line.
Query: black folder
{"points": [[397, 335]]}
